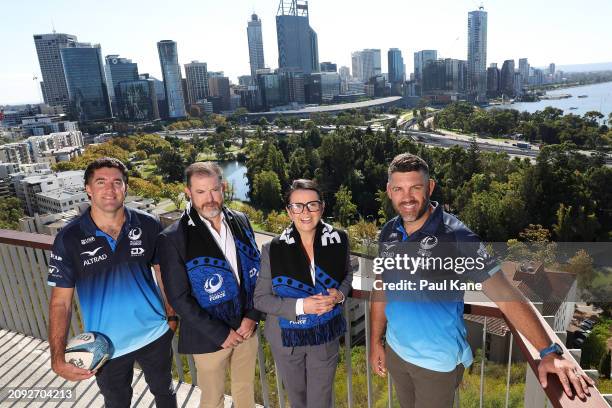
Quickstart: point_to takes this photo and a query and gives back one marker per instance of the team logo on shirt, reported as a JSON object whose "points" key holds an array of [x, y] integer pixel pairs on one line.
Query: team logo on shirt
{"points": [[94, 258], [87, 240], [134, 236], [427, 243], [213, 284], [53, 270], [91, 253], [56, 257], [137, 251]]}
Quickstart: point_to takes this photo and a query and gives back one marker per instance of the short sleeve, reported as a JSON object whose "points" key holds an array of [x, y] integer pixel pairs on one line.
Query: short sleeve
{"points": [[62, 273], [474, 251]]}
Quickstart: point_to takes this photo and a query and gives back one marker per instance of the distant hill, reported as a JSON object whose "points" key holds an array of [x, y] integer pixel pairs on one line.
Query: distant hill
{"points": [[599, 66]]}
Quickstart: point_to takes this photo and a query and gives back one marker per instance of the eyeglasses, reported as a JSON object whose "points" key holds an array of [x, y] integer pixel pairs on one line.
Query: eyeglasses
{"points": [[298, 208]]}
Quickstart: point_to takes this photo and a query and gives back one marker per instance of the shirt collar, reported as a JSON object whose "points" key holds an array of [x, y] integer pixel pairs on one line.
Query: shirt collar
{"points": [[209, 224], [429, 228], [89, 227]]}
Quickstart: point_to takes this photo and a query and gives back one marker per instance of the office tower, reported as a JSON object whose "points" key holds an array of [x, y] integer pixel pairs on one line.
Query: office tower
{"points": [[395, 65], [196, 74], [421, 59], [256, 52], [171, 72], [137, 100], [245, 80], [366, 64], [118, 70], [477, 54], [53, 85], [297, 42], [219, 87], [86, 82], [493, 80], [446, 77], [524, 70], [506, 84], [345, 73], [551, 68], [270, 89], [518, 84], [327, 66]]}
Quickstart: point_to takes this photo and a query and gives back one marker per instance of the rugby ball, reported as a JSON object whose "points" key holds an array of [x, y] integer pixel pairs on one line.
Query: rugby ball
{"points": [[89, 350]]}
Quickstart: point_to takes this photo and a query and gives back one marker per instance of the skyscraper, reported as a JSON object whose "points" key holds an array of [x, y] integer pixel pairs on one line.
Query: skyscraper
{"points": [[524, 70], [256, 53], [421, 59], [445, 77], [506, 83], [298, 47], [219, 87], [136, 100], [53, 85], [118, 70], [395, 65], [493, 78], [366, 64], [477, 54], [86, 83], [196, 74], [327, 66], [171, 72]]}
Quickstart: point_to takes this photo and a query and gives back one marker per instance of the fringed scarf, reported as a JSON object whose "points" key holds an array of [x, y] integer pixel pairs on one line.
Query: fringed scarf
{"points": [[212, 280], [291, 277]]}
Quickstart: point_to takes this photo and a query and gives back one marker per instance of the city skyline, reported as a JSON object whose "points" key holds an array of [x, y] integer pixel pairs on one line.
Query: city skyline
{"points": [[222, 42]]}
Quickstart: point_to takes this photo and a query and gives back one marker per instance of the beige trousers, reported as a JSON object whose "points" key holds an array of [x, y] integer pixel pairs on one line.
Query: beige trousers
{"points": [[211, 369]]}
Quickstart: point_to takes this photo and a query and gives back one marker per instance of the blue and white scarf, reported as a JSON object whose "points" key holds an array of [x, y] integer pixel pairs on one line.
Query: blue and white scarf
{"points": [[291, 277], [213, 282]]}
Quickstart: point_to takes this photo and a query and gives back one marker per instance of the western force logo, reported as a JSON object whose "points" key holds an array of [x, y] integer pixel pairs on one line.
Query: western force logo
{"points": [[134, 236], [213, 284], [91, 253], [87, 240], [426, 244]]}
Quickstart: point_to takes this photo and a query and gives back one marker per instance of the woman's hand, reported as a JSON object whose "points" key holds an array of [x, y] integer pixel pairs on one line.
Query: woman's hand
{"points": [[337, 295], [319, 304]]}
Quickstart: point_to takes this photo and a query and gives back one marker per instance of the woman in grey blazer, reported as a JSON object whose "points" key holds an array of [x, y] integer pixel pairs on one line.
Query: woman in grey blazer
{"points": [[303, 281]]}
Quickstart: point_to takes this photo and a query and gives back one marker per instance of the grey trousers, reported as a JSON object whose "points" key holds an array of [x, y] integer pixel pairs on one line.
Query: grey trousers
{"points": [[418, 387], [308, 373]]}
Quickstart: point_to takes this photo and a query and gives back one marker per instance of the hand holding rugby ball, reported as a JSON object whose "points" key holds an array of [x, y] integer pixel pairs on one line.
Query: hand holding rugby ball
{"points": [[89, 350]]}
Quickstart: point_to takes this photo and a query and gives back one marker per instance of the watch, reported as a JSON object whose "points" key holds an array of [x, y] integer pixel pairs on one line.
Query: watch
{"points": [[553, 348], [173, 318]]}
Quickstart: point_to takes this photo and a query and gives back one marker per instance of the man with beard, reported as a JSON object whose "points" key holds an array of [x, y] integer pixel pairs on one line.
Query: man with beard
{"points": [[425, 347], [210, 262]]}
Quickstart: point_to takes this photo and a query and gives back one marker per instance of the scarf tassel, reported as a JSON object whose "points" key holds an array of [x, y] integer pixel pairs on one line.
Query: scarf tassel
{"points": [[226, 311], [315, 336]]}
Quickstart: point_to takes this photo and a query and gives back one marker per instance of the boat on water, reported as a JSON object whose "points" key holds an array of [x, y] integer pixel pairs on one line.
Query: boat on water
{"points": [[573, 108], [583, 96]]}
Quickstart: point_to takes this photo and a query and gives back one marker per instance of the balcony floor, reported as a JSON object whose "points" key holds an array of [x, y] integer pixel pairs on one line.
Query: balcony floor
{"points": [[26, 362]]}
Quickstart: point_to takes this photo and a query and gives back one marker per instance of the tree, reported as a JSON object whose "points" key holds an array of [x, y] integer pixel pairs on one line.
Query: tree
{"points": [[344, 210], [171, 166], [175, 192], [267, 190], [10, 213], [276, 222]]}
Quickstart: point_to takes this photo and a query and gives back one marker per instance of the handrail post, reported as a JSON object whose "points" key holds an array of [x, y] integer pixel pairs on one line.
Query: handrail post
{"points": [[367, 357], [482, 362]]}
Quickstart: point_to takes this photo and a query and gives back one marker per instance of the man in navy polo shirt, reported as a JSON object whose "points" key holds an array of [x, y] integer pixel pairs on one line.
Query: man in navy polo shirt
{"points": [[426, 349], [107, 254]]}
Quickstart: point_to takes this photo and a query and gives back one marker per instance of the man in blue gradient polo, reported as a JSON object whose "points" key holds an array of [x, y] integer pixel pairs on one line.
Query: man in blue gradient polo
{"points": [[107, 254]]}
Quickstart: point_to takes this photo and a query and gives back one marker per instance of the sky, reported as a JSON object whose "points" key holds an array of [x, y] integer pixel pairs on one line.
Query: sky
{"points": [[214, 31]]}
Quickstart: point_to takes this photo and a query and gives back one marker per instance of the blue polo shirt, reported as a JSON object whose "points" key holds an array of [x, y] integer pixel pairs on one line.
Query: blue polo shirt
{"points": [[430, 332], [114, 280]]}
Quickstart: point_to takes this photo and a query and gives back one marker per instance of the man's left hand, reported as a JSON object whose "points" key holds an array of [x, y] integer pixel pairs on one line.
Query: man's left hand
{"points": [[338, 296], [570, 375], [247, 327]]}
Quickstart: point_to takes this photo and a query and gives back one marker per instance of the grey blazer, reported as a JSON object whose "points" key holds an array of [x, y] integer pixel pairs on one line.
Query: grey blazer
{"points": [[274, 306]]}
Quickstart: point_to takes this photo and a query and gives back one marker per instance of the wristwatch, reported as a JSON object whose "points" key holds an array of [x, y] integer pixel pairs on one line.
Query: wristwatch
{"points": [[173, 318], [553, 348]]}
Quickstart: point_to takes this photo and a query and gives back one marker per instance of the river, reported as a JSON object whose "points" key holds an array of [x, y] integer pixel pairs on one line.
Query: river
{"points": [[599, 98], [235, 173]]}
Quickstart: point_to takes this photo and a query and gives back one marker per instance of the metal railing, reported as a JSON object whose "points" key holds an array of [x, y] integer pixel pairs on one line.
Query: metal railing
{"points": [[24, 299]]}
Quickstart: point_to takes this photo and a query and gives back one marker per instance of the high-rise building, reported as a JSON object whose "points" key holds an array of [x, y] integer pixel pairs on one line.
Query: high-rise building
{"points": [[86, 82], [518, 84], [524, 70], [137, 100], [196, 74], [477, 54], [53, 85], [171, 72], [445, 77], [551, 68], [219, 87], [421, 59], [327, 66], [118, 70], [256, 52], [270, 88], [366, 64], [292, 86], [506, 82], [395, 65], [345, 73], [493, 78], [298, 47]]}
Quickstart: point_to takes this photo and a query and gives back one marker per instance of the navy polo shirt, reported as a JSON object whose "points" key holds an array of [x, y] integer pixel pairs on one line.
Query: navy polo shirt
{"points": [[114, 280], [431, 333]]}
